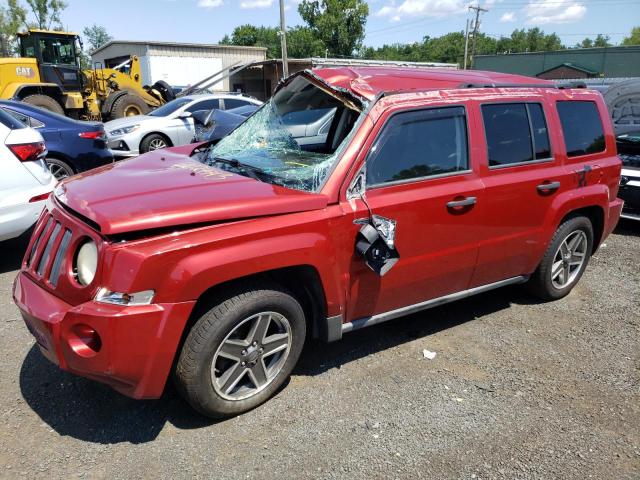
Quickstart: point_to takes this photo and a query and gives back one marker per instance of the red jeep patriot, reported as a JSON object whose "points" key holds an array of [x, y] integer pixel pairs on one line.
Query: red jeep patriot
{"points": [[353, 197]]}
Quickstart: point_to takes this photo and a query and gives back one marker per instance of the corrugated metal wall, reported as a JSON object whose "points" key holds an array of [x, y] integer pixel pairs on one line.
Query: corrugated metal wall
{"points": [[228, 55], [609, 62]]}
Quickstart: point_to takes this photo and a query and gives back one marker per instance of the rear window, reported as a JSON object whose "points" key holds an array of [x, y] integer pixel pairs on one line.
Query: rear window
{"points": [[10, 122], [581, 127], [516, 133]]}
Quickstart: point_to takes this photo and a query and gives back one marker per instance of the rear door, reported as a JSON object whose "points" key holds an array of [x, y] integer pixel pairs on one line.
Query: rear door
{"points": [[522, 176], [420, 174]]}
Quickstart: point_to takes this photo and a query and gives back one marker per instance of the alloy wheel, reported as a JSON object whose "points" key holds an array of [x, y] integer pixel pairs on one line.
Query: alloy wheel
{"points": [[156, 144], [251, 356], [58, 171], [568, 260]]}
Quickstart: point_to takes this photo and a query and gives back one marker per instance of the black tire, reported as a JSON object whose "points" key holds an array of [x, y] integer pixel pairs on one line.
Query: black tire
{"points": [[59, 168], [165, 90], [541, 284], [155, 141], [128, 105], [193, 371], [45, 102]]}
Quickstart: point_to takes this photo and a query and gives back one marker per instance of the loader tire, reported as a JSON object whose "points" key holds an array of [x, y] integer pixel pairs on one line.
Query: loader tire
{"points": [[165, 90], [128, 105], [45, 102]]}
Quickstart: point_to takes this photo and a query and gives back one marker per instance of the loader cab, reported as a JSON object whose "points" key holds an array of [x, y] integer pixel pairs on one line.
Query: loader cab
{"points": [[57, 56]]}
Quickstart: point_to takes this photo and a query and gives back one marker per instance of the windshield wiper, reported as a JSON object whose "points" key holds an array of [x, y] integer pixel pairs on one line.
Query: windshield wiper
{"points": [[250, 170]]}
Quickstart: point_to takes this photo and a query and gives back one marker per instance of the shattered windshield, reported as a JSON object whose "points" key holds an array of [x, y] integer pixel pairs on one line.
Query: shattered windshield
{"points": [[281, 146]]}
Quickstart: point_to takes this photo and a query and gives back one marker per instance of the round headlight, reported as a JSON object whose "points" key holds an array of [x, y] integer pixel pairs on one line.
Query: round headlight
{"points": [[87, 262]]}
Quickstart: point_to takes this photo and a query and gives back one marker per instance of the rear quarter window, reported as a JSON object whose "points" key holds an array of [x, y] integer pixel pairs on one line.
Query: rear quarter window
{"points": [[581, 127], [10, 121]]}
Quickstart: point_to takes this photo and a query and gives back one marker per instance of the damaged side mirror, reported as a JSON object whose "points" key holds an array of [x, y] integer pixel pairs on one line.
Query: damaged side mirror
{"points": [[375, 243]]}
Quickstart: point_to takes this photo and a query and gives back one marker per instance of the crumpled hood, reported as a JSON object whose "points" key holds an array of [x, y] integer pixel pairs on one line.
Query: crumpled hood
{"points": [[164, 188]]}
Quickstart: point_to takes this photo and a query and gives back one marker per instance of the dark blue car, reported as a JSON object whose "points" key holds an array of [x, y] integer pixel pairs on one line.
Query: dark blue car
{"points": [[73, 146]]}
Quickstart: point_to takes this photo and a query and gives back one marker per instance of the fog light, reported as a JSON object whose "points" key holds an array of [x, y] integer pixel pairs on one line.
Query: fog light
{"points": [[84, 340], [129, 299]]}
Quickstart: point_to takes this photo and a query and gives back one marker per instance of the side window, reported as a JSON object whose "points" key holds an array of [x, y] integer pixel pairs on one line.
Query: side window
{"points": [[23, 118], [419, 144], [230, 103], [204, 105], [581, 127], [516, 133]]}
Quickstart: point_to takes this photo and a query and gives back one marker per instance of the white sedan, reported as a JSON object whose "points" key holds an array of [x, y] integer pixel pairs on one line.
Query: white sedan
{"points": [[25, 182], [167, 126]]}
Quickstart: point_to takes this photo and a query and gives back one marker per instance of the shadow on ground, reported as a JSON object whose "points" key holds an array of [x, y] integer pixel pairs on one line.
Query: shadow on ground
{"points": [[12, 252], [88, 411]]}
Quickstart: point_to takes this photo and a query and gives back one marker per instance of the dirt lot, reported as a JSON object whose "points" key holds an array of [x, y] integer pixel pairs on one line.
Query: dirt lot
{"points": [[518, 389]]}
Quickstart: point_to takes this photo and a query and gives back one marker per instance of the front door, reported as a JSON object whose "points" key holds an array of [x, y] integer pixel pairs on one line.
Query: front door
{"points": [[419, 173]]}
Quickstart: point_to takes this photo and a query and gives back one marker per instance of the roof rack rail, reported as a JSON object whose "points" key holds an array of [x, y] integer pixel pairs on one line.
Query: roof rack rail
{"points": [[506, 85], [566, 85]]}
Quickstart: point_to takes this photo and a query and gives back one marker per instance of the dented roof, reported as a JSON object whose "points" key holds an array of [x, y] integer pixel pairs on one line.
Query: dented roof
{"points": [[367, 82]]}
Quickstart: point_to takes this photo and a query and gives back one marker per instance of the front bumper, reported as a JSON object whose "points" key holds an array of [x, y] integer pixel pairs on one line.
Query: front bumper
{"points": [[131, 349], [630, 193], [124, 146]]}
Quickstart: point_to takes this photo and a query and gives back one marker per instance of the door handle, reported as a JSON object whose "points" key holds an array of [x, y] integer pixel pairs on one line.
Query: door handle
{"points": [[548, 187], [462, 203]]}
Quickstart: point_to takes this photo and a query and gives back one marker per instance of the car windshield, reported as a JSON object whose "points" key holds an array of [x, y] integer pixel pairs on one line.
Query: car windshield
{"points": [[169, 108], [292, 154]]}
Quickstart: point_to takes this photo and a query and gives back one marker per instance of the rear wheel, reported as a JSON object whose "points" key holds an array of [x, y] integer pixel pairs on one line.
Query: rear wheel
{"points": [[129, 105], [58, 168], [241, 351], [565, 260], [45, 102]]}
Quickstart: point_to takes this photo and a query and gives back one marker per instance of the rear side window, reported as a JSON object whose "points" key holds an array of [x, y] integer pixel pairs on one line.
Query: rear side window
{"points": [[230, 103], [581, 127], [9, 121], [516, 133], [419, 144]]}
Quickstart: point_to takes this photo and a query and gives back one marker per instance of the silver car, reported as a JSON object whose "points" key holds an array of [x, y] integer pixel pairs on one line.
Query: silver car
{"points": [[168, 125]]}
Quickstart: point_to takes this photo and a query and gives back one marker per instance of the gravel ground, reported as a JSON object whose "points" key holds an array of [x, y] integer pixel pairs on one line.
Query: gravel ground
{"points": [[518, 389]]}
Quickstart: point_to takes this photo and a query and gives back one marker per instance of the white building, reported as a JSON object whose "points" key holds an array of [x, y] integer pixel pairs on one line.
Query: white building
{"points": [[178, 64]]}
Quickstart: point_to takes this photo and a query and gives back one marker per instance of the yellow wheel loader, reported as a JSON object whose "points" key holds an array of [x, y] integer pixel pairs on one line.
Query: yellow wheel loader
{"points": [[48, 75]]}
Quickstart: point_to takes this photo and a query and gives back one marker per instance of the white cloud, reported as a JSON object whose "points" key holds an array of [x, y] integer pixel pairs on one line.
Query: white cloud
{"points": [[397, 10], [210, 3], [256, 4], [540, 12], [508, 17]]}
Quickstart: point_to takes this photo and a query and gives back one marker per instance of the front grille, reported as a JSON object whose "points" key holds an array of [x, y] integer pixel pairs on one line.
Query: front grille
{"points": [[50, 244]]}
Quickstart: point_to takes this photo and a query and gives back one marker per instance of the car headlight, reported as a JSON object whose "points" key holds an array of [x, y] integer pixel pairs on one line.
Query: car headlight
{"points": [[117, 298], [87, 262], [124, 130]]}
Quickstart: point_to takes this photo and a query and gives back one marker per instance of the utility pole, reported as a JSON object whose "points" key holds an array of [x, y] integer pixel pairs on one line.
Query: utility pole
{"points": [[466, 45], [283, 42], [476, 27]]}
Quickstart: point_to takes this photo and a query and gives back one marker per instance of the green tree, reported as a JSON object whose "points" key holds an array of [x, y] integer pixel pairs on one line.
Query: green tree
{"points": [[12, 18], [252, 36], [634, 38], [338, 24], [96, 36], [302, 43], [47, 13], [602, 41]]}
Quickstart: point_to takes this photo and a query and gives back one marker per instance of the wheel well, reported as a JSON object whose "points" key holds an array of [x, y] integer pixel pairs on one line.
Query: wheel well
{"points": [[49, 91], [596, 217], [62, 158], [303, 281], [167, 139]]}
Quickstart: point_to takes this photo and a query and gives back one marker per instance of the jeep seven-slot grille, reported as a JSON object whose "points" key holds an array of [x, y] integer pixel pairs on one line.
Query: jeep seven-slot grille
{"points": [[49, 249]]}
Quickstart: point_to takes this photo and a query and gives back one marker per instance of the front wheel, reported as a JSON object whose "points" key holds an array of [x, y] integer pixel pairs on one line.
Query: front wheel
{"points": [[565, 260], [241, 351]]}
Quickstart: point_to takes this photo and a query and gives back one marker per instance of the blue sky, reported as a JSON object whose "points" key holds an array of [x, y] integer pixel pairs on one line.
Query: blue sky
{"points": [[207, 21]]}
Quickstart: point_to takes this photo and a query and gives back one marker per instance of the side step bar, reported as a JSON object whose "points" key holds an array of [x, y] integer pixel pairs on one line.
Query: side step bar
{"points": [[335, 334]]}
